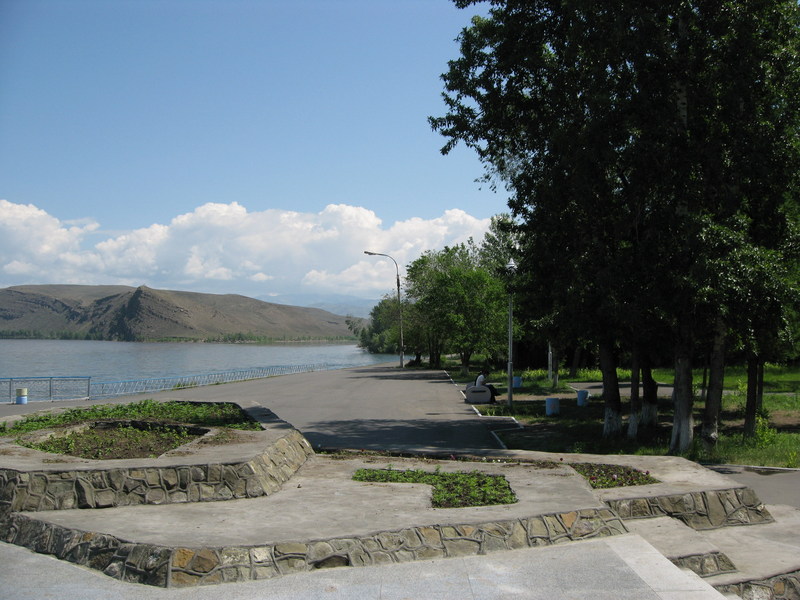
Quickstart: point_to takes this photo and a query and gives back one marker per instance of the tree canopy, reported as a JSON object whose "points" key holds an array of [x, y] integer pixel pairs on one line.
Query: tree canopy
{"points": [[649, 147]]}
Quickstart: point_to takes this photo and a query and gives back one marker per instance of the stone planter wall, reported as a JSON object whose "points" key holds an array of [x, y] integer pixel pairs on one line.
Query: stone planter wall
{"points": [[699, 510], [780, 587], [706, 565], [101, 488], [181, 567]]}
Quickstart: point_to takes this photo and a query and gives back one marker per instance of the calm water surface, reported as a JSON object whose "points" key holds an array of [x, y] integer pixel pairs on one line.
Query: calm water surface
{"points": [[119, 361]]}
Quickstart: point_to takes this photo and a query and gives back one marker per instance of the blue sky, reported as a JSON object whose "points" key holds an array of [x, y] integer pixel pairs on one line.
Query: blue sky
{"points": [[161, 142]]}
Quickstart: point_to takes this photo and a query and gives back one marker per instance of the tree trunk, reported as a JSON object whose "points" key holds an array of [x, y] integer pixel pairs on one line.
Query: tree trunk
{"points": [[716, 373], [612, 423], [649, 394], [636, 403], [751, 407], [465, 356], [576, 361], [555, 368], [683, 399]]}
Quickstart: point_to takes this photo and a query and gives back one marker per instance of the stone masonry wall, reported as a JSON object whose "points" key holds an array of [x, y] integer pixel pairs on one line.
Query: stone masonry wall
{"points": [[698, 510], [100, 488], [780, 587], [181, 567]]}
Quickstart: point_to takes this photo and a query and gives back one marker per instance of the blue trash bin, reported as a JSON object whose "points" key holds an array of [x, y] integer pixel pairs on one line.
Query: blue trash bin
{"points": [[583, 397]]}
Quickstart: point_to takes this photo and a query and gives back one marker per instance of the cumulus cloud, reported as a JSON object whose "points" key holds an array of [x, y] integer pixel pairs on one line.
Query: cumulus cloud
{"points": [[225, 248]]}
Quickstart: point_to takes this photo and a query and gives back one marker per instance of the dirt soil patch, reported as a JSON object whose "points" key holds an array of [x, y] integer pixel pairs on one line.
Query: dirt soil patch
{"points": [[117, 440]]}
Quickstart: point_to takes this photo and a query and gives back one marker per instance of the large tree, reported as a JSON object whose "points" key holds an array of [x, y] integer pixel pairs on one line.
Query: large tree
{"points": [[461, 303], [627, 131]]}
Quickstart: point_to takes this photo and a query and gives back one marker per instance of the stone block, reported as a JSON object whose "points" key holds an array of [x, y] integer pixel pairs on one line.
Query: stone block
{"points": [[234, 556], [569, 519], [427, 553], [291, 564], [381, 558], [411, 538], [84, 493], [181, 557], [554, 527], [291, 548], [431, 536], [264, 572], [261, 554], [715, 510], [105, 498], [183, 579], [169, 479], [319, 550], [205, 561], [537, 528], [518, 537], [493, 543], [390, 540], [461, 547], [640, 507]]}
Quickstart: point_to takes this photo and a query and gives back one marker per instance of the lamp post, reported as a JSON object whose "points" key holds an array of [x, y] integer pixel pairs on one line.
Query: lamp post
{"points": [[512, 268], [399, 303]]}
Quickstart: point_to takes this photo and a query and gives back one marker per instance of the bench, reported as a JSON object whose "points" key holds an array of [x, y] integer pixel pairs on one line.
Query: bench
{"points": [[477, 394]]}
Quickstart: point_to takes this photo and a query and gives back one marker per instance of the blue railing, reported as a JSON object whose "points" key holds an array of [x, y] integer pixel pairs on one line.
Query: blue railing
{"points": [[72, 388]]}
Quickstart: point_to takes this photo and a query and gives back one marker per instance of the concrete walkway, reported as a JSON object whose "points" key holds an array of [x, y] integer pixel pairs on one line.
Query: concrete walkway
{"points": [[383, 408]]}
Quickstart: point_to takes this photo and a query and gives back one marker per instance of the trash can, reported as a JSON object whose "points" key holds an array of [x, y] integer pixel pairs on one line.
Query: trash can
{"points": [[517, 382], [551, 406], [583, 397], [22, 396]]}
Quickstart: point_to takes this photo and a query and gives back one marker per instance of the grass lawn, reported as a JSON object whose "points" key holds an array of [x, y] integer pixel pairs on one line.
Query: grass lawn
{"points": [[579, 429]]}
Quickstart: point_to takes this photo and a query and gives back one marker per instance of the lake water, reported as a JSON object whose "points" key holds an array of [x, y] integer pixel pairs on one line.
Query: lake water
{"points": [[117, 361]]}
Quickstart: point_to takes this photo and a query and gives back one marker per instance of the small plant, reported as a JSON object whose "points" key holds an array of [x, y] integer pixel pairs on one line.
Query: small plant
{"points": [[199, 413], [791, 460], [612, 476], [116, 442], [450, 490], [764, 435]]}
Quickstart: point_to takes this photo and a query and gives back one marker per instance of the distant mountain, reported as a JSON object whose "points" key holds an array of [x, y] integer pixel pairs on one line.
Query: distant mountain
{"points": [[139, 314], [338, 304]]}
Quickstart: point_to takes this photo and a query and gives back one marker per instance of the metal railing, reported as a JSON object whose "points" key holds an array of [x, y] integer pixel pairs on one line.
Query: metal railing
{"points": [[72, 388], [47, 388]]}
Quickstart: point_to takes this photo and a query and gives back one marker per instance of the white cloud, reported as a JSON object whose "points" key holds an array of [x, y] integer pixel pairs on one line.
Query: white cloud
{"points": [[224, 248]]}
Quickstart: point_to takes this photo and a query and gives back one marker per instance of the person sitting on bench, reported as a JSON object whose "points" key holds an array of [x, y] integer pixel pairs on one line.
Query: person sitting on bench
{"points": [[481, 380]]}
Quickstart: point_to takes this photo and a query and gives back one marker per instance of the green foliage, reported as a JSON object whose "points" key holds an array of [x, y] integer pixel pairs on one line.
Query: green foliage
{"points": [[645, 149], [119, 442], [197, 413], [460, 304], [611, 476], [450, 490], [764, 436]]}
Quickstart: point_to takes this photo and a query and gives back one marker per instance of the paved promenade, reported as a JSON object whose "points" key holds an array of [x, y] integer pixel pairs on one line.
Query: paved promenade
{"points": [[382, 407]]}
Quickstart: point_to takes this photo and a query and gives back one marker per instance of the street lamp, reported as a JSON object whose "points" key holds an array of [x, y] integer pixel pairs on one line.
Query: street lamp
{"points": [[399, 303], [511, 267]]}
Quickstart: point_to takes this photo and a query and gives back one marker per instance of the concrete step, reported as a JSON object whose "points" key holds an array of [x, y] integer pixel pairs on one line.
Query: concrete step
{"points": [[748, 561], [683, 545], [761, 552]]}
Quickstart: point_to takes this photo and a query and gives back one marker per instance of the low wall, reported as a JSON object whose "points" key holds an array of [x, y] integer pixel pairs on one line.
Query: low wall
{"points": [[182, 567], [699, 510], [54, 489]]}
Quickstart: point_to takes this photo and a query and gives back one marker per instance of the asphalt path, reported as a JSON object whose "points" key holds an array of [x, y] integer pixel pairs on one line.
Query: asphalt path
{"points": [[773, 486], [378, 407]]}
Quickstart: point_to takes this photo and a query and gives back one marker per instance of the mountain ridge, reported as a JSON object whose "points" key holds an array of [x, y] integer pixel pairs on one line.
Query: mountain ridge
{"points": [[114, 312]]}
